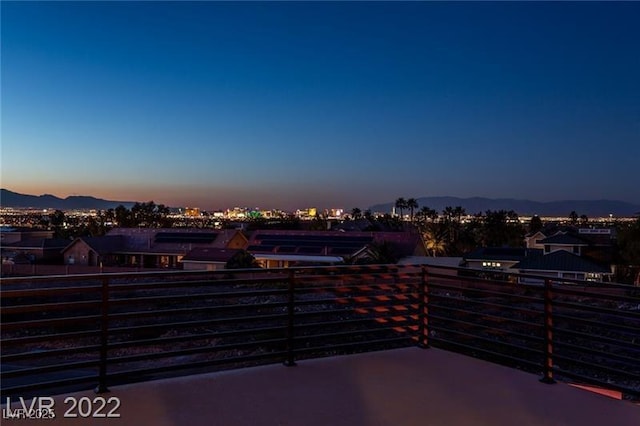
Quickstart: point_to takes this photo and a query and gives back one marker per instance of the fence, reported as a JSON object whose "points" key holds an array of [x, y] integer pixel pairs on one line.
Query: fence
{"points": [[67, 333]]}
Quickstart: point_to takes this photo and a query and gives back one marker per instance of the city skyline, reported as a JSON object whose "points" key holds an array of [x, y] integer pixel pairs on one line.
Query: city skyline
{"points": [[283, 105]]}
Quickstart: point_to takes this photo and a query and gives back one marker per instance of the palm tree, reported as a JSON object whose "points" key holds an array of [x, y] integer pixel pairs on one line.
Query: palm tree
{"points": [[401, 204], [434, 238], [573, 216], [426, 213], [412, 204], [356, 213]]}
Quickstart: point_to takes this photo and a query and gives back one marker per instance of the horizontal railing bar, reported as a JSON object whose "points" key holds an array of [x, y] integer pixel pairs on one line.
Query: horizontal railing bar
{"points": [[19, 309], [354, 344], [562, 346], [485, 339], [202, 323], [49, 368], [599, 339], [190, 297], [351, 321], [51, 322], [526, 311], [192, 310], [298, 337], [48, 353], [537, 339], [598, 367], [483, 315], [585, 308], [633, 331], [197, 283], [49, 337], [361, 279], [194, 351], [350, 310], [603, 295], [50, 292], [436, 296], [194, 337], [485, 293], [354, 303], [338, 287]]}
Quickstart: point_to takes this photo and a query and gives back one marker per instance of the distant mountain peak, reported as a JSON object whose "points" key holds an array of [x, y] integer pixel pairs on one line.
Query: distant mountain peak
{"points": [[473, 205], [48, 201]]}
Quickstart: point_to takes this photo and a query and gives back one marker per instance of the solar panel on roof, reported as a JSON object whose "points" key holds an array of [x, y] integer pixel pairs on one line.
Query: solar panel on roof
{"points": [[310, 250], [286, 249], [185, 238]]}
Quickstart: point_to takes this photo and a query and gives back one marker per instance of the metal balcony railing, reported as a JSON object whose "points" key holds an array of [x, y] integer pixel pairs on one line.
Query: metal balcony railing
{"points": [[68, 333]]}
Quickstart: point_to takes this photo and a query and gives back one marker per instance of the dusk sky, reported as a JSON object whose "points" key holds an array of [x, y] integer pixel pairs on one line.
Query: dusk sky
{"points": [[293, 105]]}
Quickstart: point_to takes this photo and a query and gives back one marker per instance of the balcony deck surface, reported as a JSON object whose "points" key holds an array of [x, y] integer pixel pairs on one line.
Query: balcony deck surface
{"points": [[396, 387]]}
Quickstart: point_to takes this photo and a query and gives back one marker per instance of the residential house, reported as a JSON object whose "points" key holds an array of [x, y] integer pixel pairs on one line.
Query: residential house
{"points": [[498, 258], [207, 258], [569, 253], [285, 248], [149, 247], [31, 250]]}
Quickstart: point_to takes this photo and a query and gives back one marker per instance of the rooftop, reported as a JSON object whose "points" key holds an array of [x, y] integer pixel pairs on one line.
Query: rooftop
{"points": [[397, 387]]}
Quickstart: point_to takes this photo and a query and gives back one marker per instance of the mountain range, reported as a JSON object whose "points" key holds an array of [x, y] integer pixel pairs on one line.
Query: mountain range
{"points": [[48, 201], [591, 208]]}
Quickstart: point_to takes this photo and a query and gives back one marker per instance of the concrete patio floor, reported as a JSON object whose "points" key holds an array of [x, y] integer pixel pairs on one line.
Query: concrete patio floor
{"points": [[397, 387]]}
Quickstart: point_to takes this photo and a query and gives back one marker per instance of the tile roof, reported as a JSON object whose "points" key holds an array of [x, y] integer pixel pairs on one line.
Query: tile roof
{"points": [[564, 239], [560, 260], [102, 245], [502, 253], [39, 243], [205, 254], [336, 243]]}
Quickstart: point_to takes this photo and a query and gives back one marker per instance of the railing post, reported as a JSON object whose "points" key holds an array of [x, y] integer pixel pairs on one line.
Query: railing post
{"points": [[104, 337], [423, 313], [548, 334], [290, 362]]}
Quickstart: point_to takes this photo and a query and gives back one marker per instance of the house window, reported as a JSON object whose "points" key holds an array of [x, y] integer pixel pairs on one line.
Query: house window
{"points": [[576, 250], [547, 248]]}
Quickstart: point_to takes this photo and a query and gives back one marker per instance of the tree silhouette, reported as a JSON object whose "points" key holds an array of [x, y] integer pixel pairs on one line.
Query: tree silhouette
{"points": [[573, 217], [434, 235], [401, 204], [535, 224], [502, 228], [412, 204], [356, 213]]}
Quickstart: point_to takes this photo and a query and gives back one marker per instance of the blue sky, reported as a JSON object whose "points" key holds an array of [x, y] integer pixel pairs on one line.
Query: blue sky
{"points": [[320, 104]]}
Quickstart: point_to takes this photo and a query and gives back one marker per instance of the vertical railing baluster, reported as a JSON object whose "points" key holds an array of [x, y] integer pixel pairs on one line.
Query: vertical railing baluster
{"points": [[548, 334], [423, 314], [290, 362], [104, 336]]}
